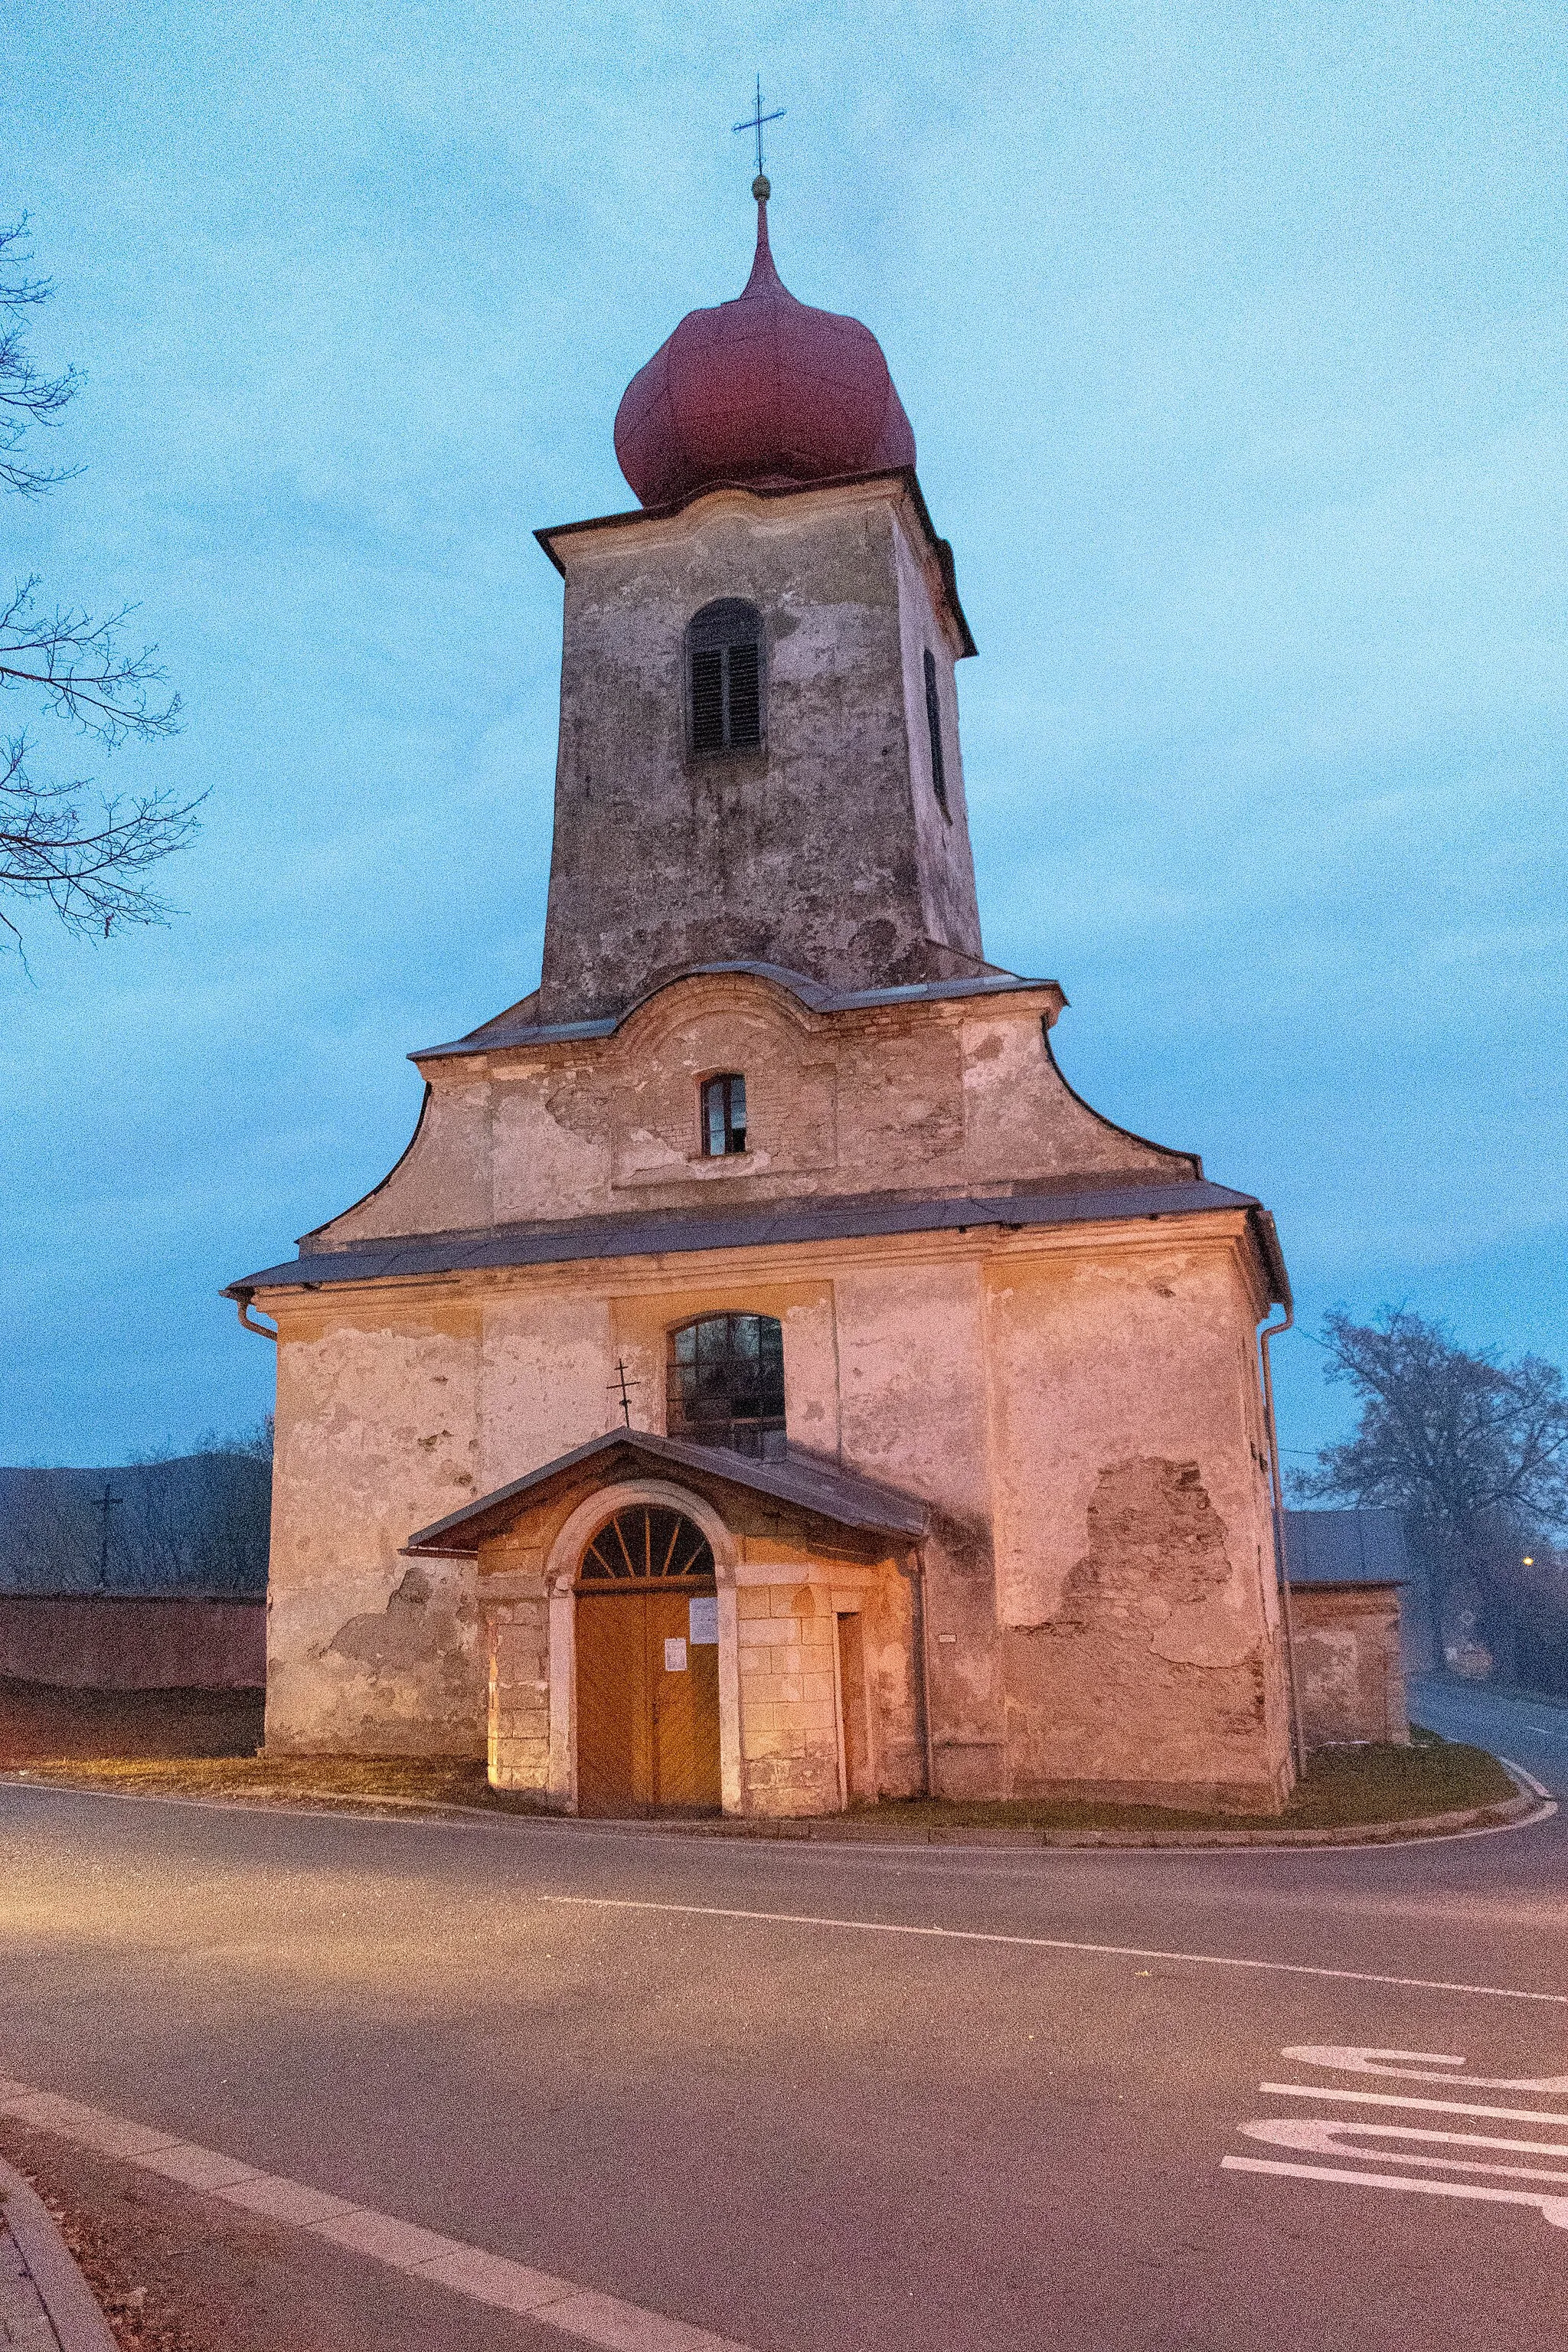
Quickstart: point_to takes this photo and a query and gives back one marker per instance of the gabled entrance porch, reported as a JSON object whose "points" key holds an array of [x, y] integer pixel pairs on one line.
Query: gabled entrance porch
{"points": [[673, 1628]]}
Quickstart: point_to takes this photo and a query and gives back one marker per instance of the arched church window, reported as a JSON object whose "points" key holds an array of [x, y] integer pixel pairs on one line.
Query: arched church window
{"points": [[725, 670], [933, 726], [726, 1384], [723, 1115]]}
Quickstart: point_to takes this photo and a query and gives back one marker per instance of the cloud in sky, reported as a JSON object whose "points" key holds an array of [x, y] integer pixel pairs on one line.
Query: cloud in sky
{"points": [[1235, 342]]}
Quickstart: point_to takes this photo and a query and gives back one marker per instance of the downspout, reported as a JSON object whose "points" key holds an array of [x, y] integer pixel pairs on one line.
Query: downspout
{"points": [[263, 1331], [913, 1568], [1282, 1573]]}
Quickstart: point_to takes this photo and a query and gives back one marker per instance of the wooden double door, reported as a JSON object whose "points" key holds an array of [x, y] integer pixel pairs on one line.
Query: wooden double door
{"points": [[647, 1701]]}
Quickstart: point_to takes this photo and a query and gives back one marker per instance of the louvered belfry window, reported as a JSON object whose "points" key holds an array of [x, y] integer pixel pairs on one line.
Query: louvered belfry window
{"points": [[724, 657], [933, 727]]}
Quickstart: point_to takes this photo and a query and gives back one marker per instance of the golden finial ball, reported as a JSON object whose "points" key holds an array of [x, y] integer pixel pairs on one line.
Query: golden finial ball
{"points": [[761, 187]]}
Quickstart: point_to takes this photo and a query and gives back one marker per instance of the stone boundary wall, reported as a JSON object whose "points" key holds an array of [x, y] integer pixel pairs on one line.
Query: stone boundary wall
{"points": [[100, 1641], [1349, 1664]]}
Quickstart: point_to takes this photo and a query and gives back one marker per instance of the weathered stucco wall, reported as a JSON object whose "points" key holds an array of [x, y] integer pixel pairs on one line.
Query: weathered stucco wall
{"points": [[939, 1095], [1079, 1408], [810, 851], [377, 1433], [1349, 1662], [1134, 1542]]}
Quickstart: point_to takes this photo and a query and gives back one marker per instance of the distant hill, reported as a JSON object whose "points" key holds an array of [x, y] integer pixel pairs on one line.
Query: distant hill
{"points": [[196, 1523]]}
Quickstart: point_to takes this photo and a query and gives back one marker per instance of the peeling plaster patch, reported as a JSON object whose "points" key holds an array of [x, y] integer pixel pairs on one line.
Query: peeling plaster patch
{"points": [[1155, 1567], [419, 1626], [1151, 1670]]}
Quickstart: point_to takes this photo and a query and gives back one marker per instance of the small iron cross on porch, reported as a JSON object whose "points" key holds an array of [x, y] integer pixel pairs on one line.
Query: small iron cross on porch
{"points": [[755, 119], [625, 1386]]}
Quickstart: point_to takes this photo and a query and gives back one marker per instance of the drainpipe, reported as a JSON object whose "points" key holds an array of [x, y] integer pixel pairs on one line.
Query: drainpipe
{"points": [[1299, 1733], [913, 1567], [262, 1330]]}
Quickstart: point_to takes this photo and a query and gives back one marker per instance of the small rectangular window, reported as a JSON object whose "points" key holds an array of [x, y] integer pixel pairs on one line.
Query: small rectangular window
{"points": [[933, 727], [724, 1116]]}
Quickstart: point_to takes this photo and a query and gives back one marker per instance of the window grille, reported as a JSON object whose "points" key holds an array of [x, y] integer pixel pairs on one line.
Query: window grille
{"points": [[726, 1384], [644, 1543], [724, 652], [723, 1116], [933, 724]]}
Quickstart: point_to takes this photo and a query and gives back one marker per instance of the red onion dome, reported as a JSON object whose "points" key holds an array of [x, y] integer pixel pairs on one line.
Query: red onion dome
{"points": [[761, 390]]}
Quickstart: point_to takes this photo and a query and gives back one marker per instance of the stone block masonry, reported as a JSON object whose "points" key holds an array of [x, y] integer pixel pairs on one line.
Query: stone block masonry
{"points": [[789, 1712]]}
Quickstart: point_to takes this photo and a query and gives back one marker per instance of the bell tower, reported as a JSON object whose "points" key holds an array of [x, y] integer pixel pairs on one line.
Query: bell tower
{"points": [[759, 753]]}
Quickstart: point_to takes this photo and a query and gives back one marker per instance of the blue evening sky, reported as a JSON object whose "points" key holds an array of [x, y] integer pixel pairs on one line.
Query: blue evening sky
{"points": [[1234, 340]]}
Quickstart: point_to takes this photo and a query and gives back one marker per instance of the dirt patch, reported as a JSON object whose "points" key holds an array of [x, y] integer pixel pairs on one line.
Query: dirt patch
{"points": [[39, 1721], [178, 2272]]}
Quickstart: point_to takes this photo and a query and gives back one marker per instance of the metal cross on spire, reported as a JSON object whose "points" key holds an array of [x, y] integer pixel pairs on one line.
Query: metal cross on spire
{"points": [[755, 119]]}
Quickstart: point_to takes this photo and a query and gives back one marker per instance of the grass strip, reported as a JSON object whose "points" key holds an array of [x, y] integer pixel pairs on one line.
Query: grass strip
{"points": [[1343, 1788]]}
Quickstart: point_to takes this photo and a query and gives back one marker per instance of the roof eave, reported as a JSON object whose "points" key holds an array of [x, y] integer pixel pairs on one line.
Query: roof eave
{"points": [[906, 475], [861, 1506]]}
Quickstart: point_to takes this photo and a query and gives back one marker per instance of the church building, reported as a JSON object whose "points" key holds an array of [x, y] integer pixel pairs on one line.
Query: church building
{"points": [[764, 1384]]}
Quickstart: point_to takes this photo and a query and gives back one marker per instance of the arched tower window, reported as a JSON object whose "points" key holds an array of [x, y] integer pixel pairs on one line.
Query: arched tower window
{"points": [[934, 725], [726, 1384], [725, 676]]}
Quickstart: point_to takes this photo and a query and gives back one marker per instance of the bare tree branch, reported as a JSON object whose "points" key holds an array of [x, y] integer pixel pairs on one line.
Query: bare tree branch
{"points": [[77, 665], [28, 396], [83, 852]]}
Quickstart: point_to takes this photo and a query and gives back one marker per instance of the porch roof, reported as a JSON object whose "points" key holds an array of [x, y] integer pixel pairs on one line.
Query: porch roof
{"points": [[805, 1482]]}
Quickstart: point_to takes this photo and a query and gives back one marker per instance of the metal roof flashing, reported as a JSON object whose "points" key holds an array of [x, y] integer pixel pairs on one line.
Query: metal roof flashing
{"points": [[814, 994]]}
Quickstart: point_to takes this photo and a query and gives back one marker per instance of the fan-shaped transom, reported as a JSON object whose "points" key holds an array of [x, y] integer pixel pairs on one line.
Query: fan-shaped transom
{"points": [[647, 1543]]}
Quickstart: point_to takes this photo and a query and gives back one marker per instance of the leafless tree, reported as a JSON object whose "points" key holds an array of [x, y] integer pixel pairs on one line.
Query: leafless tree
{"points": [[195, 1522], [1473, 1450], [85, 852]]}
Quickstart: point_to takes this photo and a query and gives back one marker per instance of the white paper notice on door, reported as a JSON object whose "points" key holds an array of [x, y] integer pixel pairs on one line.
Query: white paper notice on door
{"points": [[675, 1653], [703, 1612]]}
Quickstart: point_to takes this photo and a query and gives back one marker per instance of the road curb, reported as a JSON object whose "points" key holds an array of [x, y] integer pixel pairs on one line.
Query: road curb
{"points": [[1532, 1803], [73, 2308]]}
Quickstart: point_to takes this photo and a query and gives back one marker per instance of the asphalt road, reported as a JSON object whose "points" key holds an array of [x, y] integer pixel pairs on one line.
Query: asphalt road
{"points": [[808, 2134]]}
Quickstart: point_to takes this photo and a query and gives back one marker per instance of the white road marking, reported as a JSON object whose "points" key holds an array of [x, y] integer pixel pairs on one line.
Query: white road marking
{"points": [[1393, 2099], [494, 2279], [1553, 2209], [1350, 2058], [1050, 1944], [1536, 1788], [1326, 2135], [1338, 2134]]}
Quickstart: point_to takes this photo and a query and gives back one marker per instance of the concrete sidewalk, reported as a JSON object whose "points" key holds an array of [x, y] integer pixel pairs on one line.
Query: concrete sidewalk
{"points": [[46, 2305]]}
